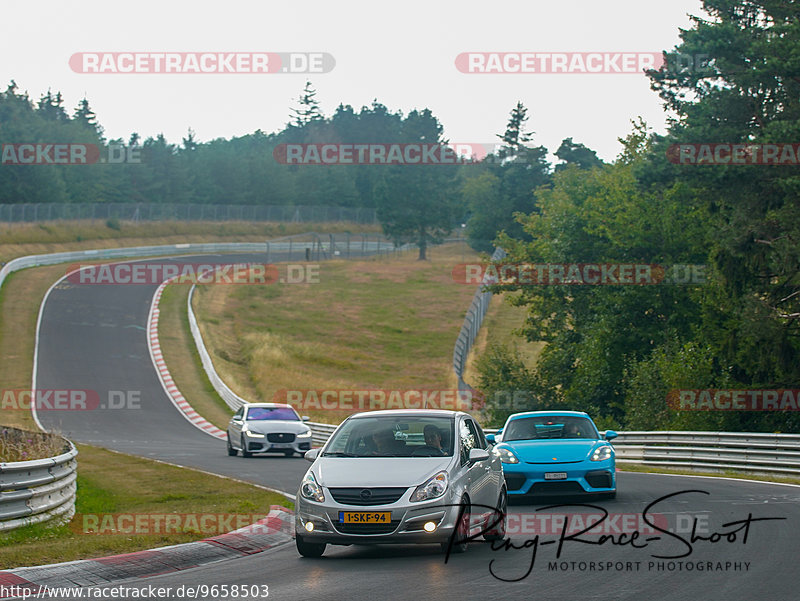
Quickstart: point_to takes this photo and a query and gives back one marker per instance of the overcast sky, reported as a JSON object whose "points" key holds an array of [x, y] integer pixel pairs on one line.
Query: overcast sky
{"points": [[402, 54]]}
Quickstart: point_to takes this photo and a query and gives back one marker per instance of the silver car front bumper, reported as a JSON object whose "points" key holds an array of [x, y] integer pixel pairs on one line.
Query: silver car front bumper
{"points": [[406, 526]]}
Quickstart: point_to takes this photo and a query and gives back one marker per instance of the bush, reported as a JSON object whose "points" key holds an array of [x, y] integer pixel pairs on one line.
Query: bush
{"points": [[22, 445]]}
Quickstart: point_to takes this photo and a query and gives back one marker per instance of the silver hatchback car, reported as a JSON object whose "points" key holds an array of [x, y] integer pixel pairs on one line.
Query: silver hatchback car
{"points": [[420, 476]]}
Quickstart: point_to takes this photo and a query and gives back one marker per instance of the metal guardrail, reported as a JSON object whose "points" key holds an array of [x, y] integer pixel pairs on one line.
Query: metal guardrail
{"points": [[310, 246], [320, 433], [747, 452], [712, 451], [288, 244], [703, 451], [45, 489], [233, 400], [132, 251], [36, 491], [471, 326], [35, 212]]}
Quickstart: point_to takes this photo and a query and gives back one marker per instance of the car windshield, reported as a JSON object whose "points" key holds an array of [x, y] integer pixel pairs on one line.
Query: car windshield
{"points": [[402, 436], [549, 427], [258, 414]]}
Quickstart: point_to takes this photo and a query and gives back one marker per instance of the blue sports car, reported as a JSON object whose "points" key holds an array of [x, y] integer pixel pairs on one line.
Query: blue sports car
{"points": [[555, 453]]}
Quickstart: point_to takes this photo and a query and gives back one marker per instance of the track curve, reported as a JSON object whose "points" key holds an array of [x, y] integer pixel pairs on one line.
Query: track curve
{"points": [[93, 337]]}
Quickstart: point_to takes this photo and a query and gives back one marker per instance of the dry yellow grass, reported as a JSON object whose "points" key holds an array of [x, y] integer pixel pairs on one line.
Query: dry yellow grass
{"points": [[17, 240], [499, 326], [20, 298], [180, 353], [22, 292], [387, 324]]}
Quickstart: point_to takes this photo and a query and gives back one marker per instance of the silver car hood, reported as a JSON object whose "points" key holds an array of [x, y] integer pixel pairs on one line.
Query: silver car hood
{"points": [[276, 425], [334, 472]]}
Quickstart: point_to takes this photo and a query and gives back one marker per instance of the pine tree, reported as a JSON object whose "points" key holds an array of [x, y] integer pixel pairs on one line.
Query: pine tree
{"points": [[308, 110]]}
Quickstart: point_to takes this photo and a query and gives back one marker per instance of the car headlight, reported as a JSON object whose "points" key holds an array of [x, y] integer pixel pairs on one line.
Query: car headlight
{"points": [[434, 488], [309, 489], [506, 455], [304, 434], [602, 453], [252, 434]]}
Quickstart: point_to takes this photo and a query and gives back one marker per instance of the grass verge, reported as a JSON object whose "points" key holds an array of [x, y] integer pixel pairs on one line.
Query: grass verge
{"points": [[387, 324], [20, 298], [499, 327], [22, 292], [635, 467], [118, 484], [57, 236], [183, 360]]}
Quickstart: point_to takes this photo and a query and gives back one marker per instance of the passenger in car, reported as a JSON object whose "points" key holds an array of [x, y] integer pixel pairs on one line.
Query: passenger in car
{"points": [[387, 444]]}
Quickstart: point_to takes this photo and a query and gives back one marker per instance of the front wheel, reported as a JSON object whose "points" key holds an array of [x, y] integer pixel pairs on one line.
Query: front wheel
{"points": [[499, 531], [307, 549], [245, 452], [462, 529], [231, 450]]}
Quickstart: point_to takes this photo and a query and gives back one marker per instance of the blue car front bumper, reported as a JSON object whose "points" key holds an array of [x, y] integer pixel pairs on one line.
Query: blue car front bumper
{"points": [[586, 477]]}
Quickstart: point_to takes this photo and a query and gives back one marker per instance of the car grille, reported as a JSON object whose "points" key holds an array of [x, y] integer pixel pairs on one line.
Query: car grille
{"points": [[280, 437], [368, 528], [564, 488], [599, 479], [366, 496], [515, 481]]}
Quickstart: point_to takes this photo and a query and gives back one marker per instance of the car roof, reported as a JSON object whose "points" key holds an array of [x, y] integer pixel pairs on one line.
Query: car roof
{"points": [[408, 413], [267, 405], [549, 413]]}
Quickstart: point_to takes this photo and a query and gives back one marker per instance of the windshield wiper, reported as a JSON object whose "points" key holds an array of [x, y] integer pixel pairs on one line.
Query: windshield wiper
{"points": [[339, 454]]}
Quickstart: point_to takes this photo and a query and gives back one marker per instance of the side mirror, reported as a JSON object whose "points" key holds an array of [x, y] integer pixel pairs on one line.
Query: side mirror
{"points": [[305, 418], [490, 438], [476, 455], [237, 420], [311, 455], [610, 435]]}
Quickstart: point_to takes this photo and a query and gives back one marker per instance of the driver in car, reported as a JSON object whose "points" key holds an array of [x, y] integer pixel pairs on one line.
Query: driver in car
{"points": [[433, 439]]}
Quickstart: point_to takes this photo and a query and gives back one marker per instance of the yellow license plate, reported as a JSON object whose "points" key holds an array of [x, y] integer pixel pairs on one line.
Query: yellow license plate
{"points": [[365, 517]]}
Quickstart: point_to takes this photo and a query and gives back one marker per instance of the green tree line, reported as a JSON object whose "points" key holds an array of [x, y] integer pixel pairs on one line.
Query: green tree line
{"points": [[619, 351]]}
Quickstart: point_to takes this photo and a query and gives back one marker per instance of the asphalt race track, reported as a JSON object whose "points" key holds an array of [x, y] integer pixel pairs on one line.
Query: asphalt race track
{"points": [[92, 337]]}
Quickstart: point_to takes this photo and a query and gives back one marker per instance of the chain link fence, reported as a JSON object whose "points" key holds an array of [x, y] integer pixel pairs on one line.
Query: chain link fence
{"points": [[471, 326], [35, 212]]}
